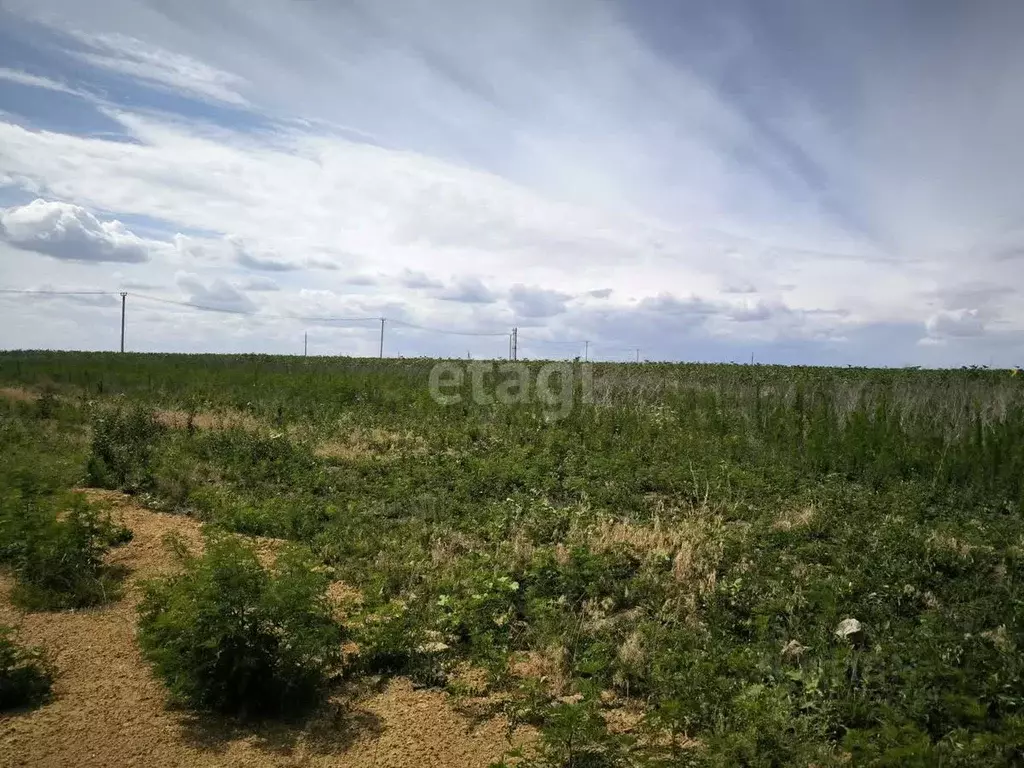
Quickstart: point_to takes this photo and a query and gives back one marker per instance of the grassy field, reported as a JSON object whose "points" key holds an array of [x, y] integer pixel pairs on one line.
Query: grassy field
{"points": [[664, 576]]}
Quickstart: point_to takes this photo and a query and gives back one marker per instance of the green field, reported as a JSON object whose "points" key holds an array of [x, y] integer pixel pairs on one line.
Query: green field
{"points": [[684, 545]]}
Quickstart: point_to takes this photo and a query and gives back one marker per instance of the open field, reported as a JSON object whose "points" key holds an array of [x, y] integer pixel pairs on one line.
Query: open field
{"points": [[663, 576]]}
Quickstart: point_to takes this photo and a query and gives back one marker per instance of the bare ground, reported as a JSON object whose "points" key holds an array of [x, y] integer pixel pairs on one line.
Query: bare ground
{"points": [[109, 710]]}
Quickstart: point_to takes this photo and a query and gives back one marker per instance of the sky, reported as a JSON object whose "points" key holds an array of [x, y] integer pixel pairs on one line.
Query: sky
{"points": [[795, 182]]}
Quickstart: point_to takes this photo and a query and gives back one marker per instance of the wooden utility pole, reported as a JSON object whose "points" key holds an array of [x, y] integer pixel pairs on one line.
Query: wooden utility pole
{"points": [[586, 351], [305, 344], [124, 296], [515, 343], [382, 338]]}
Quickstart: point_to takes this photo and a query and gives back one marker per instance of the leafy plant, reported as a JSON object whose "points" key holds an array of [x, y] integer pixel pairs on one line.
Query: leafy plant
{"points": [[123, 443], [232, 636], [26, 674], [573, 734], [56, 547]]}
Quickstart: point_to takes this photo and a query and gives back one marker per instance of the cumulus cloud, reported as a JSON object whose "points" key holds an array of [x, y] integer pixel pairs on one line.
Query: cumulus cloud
{"points": [[720, 187], [956, 323], [71, 233], [261, 284], [217, 294], [536, 302], [318, 262], [739, 287], [467, 290], [264, 261], [417, 280]]}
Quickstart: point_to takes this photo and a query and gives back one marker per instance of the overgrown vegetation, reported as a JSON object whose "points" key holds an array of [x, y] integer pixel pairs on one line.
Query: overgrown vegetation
{"points": [[229, 635], [122, 448], [684, 549], [55, 545], [26, 674]]}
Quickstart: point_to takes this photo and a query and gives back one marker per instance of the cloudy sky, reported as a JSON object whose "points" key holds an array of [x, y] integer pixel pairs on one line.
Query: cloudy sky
{"points": [[798, 181]]}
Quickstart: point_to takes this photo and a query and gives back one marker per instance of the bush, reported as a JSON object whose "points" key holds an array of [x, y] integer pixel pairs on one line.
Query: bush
{"points": [[57, 553], [573, 734], [231, 636], [123, 444], [25, 674]]}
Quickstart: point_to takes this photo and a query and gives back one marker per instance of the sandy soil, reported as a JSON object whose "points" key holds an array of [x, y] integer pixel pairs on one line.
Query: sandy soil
{"points": [[108, 710]]}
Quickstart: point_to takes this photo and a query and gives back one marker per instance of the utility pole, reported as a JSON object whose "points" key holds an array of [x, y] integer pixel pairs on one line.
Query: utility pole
{"points": [[515, 343], [124, 295], [510, 345], [586, 351], [382, 338], [305, 344], [638, 354]]}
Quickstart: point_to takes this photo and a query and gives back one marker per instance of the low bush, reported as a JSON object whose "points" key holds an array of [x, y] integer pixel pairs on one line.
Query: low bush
{"points": [[573, 734], [231, 636], [26, 674], [55, 546], [123, 446]]}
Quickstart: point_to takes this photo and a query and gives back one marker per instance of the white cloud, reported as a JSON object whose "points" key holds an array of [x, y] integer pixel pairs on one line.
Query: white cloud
{"points": [[266, 262], [956, 323], [36, 81], [135, 58], [467, 290], [70, 232], [261, 284], [531, 301], [218, 294], [717, 186]]}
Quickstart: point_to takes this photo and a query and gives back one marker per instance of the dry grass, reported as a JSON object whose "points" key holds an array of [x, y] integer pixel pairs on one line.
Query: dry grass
{"points": [[209, 420], [794, 518], [360, 442], [550, 666], [939, 541], [692, 544], [18, 394]]}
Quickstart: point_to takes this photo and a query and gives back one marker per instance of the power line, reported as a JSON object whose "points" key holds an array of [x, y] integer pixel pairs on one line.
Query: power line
{"points": [[448, 332], [56, 293], [190, 305], [250, 313], [514, 341]]}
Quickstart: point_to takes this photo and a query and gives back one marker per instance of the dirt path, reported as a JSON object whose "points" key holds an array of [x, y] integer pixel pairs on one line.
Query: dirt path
{"points": [[108, 710]]}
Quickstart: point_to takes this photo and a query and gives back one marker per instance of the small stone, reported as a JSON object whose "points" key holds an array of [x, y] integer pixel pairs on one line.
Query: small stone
{"points": [[848, 628], [793, 650]]}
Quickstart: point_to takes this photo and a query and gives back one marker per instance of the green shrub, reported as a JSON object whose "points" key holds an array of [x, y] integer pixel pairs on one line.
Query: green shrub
{"points": [[573, 734], [55, 545], [123, 444], [231, 636], [26, 674]]}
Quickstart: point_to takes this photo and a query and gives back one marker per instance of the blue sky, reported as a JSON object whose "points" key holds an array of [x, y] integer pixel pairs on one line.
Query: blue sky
{"points": [[805, 182]]}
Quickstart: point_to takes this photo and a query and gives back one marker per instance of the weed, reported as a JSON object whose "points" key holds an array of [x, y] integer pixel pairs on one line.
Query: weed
{"points": [[26, 674], [232, 636], [55, 546], [689, 542], [123, 443]]}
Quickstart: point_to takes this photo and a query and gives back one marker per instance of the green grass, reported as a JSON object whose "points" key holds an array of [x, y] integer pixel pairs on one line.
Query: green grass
{"points": [[661, 545]]}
